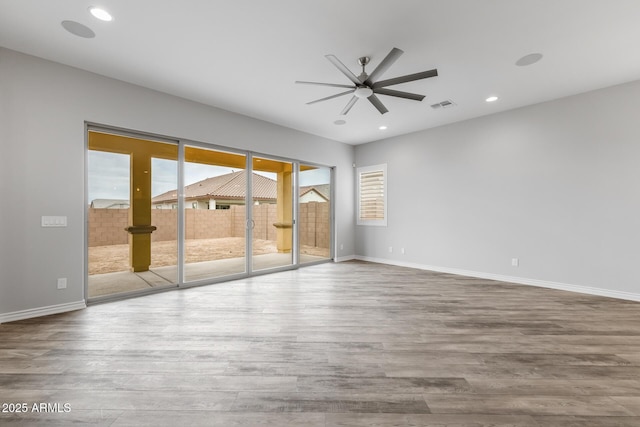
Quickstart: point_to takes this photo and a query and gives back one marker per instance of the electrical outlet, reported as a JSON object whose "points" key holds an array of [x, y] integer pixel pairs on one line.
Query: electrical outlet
{"points": [[62, 283], [515, 262], [402, 251], [390, 249], [341, 246]]}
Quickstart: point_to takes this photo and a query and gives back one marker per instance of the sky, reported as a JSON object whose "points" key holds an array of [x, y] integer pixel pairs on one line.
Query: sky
{"points": [[109, 175]]}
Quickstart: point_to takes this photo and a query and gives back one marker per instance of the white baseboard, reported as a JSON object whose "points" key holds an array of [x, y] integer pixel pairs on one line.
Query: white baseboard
{"points": [[345, 258], [511, 279], [42, 311]]}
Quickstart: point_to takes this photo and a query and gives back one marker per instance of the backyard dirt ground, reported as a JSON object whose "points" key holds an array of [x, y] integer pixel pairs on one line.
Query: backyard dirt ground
{"points": [[112, 258]]}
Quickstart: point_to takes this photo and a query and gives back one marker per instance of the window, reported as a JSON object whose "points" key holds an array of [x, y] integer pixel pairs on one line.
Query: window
{"points": [[372, 195]]}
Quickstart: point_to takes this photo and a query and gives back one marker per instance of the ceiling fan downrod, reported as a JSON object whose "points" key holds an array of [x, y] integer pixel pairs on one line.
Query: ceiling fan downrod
{"points": [[363, 61]]}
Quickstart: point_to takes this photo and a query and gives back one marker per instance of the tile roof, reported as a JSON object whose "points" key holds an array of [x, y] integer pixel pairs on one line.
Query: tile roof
{"points": [[228, 186], [232, 186], [110, 203], [323, 189]]}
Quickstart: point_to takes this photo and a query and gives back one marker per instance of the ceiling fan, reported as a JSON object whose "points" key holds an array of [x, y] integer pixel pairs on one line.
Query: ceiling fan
{"points": [[366, 86]]}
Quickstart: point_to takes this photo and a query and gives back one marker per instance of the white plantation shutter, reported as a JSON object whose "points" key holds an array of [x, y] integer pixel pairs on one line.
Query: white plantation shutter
{"points": [[372, 197]]}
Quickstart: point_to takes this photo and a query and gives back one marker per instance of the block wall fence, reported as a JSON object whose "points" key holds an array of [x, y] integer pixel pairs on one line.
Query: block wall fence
{"points": [[106, 226]]}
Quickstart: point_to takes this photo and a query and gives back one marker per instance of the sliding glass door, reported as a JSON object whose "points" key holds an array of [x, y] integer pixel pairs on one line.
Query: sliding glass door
{"points": [[166, 213], [314, 213], [272, 219], [130, 247], [215, 188]]}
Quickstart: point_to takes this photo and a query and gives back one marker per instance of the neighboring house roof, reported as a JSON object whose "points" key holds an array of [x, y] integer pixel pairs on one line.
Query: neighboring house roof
{"points": [[232, 186], [228, 186], [109, 203], [323, 190]]}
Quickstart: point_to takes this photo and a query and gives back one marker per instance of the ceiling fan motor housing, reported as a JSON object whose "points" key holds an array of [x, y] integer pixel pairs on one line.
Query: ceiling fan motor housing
{"points": [[363, 91]]}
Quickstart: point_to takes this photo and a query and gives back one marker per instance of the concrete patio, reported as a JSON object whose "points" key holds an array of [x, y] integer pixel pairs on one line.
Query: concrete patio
{"points": [[126, 281]]}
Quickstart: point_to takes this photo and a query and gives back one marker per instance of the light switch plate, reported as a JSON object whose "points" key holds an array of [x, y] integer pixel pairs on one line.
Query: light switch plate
{"points": [[54, 221]]}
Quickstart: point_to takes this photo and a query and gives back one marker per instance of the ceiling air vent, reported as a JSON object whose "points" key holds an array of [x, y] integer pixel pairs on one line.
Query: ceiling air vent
{"points": [[444, 104]]}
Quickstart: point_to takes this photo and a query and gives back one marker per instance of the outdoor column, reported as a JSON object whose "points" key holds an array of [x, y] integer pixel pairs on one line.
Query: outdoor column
{"points": [[284, 226], [140, 227]]}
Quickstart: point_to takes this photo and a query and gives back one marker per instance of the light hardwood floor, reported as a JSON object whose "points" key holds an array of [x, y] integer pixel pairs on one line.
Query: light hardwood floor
{"points": [[347, 344]]}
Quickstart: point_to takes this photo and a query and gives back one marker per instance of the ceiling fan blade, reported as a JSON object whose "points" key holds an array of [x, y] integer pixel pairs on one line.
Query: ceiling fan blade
{"points": [[378, 104], [330, 97], [405, 79], [323, 84], [350, 104], [343, 68], [384, 65], [399, 94]]}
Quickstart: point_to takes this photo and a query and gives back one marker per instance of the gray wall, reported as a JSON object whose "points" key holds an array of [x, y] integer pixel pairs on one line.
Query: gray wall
{"points": [[44, 106], [556, 185]]}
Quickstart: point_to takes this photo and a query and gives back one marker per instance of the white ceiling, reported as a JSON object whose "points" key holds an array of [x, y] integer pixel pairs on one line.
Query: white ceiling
{"points": [[244, 55]]}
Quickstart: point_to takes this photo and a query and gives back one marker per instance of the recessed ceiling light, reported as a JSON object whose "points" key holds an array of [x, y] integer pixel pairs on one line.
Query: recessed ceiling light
{"points": [[77, 29], [532, 58], [339, 122], [491, 99], [101, 14], [382, 127]]}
